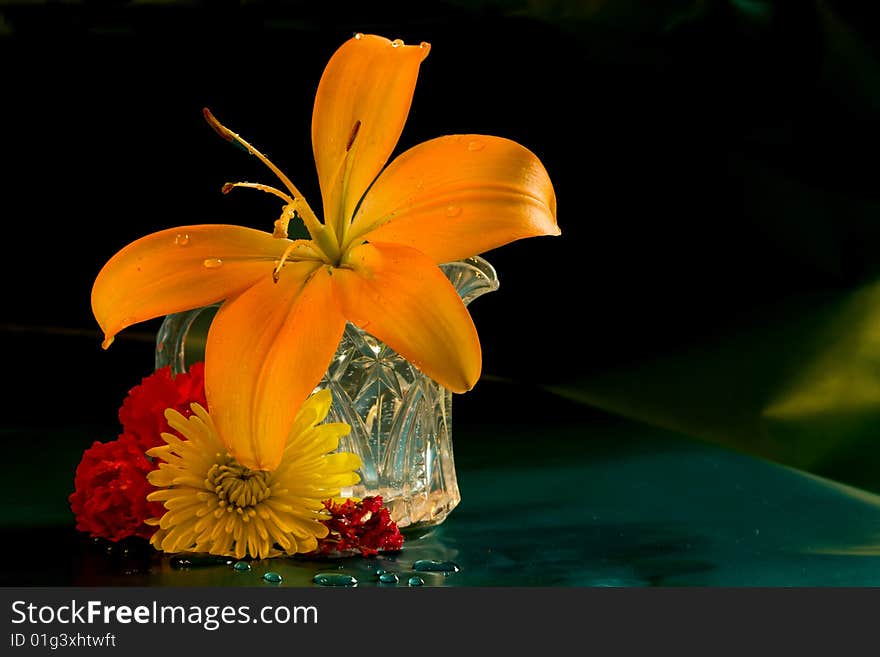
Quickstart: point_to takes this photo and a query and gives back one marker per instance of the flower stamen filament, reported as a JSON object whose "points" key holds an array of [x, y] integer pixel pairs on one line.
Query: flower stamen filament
{"points": [[305, 250], [341, 178], [228, 187], [287, 212], [282, 222], [325, 240]]}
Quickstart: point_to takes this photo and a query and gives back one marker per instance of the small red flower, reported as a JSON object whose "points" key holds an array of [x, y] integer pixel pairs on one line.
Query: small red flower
{"points": [[363, 526], [110, 500], [143, 411]]}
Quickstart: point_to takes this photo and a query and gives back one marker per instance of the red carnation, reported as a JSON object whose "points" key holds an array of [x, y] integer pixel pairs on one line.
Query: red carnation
{"points": [[364, 527], [143, 411], [110, 500]]}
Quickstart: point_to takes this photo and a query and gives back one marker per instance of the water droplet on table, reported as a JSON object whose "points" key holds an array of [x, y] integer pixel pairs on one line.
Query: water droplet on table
{"points": [[388, 578], [431, 566], [271, 577], [241, 566], [180, 562], [416, 581], [334, 579]]}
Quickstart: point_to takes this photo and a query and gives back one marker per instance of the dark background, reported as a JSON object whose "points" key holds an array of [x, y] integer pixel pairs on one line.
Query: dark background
{"points": [[714, 163], [712, 159]]}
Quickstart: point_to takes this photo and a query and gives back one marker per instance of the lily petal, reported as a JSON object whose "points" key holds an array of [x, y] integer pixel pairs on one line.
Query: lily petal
{"points": [[457, 196], [402, 298], [361, 105], [179, 269], [267, 349]]}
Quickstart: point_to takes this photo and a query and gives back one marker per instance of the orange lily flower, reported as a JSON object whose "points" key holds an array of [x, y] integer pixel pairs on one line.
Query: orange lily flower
{"points": [[373, 261]]}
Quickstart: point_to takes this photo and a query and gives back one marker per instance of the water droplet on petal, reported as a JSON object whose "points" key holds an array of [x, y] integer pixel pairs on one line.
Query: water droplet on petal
{"points": [[424, 44], [431, 566], [359, 36], [476, 145], [416, 581], [181, 239], [334, 579], [272, 577], [453, 210], [212, 263], [397, 43]]}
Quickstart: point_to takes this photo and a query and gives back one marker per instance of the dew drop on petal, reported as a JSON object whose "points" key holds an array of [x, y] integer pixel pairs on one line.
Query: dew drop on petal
{"points": [[359, 36], [181, 239], [397, 43], [212, 263], [453, 210], [424, 44], [476, 145]]}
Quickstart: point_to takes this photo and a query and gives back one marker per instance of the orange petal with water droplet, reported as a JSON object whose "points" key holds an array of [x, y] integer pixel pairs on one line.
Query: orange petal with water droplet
{"points": [[402, 298], [179, 269], [267, 349], [458, 196], [361, 105]]}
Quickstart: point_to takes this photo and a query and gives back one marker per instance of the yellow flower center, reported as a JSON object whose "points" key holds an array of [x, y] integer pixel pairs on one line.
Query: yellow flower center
{"points": [[238, 487]]}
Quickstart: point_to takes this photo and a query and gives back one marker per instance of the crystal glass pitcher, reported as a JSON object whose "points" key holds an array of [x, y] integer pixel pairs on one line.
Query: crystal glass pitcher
{"points": [[401, 420]]}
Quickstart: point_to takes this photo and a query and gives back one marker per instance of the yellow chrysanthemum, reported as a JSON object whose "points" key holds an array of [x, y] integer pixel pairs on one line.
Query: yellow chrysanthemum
{"points": [[216, 505]]}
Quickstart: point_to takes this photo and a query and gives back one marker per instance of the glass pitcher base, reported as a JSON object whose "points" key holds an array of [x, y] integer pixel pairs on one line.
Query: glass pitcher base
{"points": [[420, 512]]}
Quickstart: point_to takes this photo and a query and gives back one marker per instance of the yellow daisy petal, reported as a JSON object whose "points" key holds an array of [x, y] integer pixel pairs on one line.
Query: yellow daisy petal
{"points": [[215, 504]]}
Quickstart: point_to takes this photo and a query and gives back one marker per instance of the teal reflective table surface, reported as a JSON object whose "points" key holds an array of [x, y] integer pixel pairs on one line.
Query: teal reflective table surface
{"points": [[576, 499]]}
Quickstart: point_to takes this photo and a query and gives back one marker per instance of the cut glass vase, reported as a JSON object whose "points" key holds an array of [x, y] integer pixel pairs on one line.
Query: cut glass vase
{"points": [[401, 420]]}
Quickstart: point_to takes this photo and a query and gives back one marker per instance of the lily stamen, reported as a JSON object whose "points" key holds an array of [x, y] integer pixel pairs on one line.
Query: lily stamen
{"points": [[304, 245], [312, 224], [344, 170], [228, 187], [287, 213], [282, 222], [354, 134]]}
